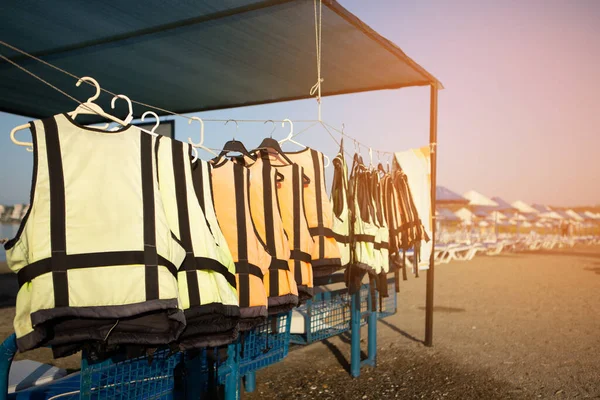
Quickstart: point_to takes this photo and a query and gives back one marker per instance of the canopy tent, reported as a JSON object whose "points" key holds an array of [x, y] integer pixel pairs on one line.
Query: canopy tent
{"points": [[184, 58], [502, 205], [197, 56], [477, 199], [443, 214], [524, 207], [444, 195]]}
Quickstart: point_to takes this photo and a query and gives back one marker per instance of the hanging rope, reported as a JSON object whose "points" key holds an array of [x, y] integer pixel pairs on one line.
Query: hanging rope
{"points": [[325, 125], [316, 89]]}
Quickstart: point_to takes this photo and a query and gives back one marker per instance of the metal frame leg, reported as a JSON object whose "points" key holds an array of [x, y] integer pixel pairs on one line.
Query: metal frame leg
{"points": [[232, 385], [355, 341], [250, 381], [372, 341]]}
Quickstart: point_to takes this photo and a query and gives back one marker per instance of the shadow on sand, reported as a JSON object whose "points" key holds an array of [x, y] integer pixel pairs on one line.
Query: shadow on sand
{"points": [[566, 253]]}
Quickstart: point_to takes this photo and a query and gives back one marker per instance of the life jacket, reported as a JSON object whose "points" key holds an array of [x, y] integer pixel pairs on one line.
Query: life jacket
{"points": [[339, 205], [411, 229], [207, 283], [280, 283], [364, 228], [393, 218], [290, 194], [326, 254], [382, 237], [95, 259], [231, 191]]}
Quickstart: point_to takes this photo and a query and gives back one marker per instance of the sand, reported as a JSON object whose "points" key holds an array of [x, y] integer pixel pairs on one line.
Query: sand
{"points": [[512, 326]]}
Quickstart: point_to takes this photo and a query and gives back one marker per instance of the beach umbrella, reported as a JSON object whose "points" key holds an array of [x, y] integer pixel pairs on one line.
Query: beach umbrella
{"points": [[444, 195], [503, 205], [551, 215], [574, 216], [541, 208], [465, 215], [446, 215], [496, 216], [477, 199], [524, 207]]}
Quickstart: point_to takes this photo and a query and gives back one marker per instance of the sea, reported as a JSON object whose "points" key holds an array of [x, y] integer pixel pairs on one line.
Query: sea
{"points": [[7, 231]]}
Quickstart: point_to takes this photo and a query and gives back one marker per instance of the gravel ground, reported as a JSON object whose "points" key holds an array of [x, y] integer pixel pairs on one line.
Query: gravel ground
{"points": [[514, 326]]}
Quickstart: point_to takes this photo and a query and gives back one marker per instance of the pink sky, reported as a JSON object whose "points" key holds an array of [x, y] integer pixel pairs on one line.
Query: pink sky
{"points": [[520, 116]]}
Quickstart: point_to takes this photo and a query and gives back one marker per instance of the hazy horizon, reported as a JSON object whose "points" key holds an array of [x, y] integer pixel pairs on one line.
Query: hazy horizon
{"points": [[518, 119]]}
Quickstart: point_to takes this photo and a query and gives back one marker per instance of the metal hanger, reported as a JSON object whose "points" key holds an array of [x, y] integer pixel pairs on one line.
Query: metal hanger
{"points": [[155, 127], [199, 144]]}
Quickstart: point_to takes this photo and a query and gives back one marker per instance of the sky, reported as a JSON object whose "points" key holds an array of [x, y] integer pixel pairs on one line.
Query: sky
{"points": [[519, 116]]}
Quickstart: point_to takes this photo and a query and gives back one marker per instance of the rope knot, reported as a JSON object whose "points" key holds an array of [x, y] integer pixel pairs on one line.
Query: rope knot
{"points": [[315, 89]]}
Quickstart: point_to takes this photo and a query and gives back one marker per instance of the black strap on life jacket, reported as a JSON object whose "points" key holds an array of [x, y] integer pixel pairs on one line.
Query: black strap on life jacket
{"points": [[89, 260], [318, 193], [149, 216], [198, 171], [185, 235], [58, 231], [242, 236], [268, 197], [296, 254]]}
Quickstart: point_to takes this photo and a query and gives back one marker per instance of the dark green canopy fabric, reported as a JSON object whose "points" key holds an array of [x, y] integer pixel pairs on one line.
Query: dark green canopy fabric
{"points": [[189, 55]]}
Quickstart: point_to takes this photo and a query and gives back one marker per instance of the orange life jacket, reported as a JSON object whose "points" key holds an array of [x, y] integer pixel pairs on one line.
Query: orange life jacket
{"points": [[231, 190], [326, 254]]}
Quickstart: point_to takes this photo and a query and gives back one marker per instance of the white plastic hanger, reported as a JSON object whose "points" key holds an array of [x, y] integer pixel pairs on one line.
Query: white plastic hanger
{"points": [[129, 117], [29, 145], [199, 144], [290, 139], [153, 130], [89, 107]]}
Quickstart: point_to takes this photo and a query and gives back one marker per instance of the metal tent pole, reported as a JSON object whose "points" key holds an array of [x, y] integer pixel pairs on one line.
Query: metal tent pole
{"points": [[433, 144]]}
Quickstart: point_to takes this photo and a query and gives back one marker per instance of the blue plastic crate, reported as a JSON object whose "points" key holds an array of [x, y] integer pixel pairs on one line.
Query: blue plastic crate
{"points": [[328, 314], [137, 378], [389, 305], [266, 344]]}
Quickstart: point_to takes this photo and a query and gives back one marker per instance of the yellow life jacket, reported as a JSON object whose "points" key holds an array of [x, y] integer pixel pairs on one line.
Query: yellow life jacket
{"points": [[326, 254], [231, 191], [207, 284], [290, 194], [364, 228], [95, 259], [339, 205], [382, 237], [279, 281]]}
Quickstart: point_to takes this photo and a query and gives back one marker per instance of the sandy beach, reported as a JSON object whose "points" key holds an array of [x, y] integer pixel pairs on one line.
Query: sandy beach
{"points": [[512, 326]]}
